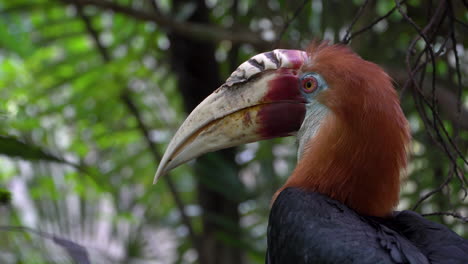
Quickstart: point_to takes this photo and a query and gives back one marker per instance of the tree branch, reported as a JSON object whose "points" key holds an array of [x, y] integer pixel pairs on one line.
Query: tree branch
{"points": [[126, 99], [372, 24], [94, 34], [452, 214], [347, 36], [436, 190], [77, 252], [447, 100], [17, 148], [198, 31], [289, 21]]}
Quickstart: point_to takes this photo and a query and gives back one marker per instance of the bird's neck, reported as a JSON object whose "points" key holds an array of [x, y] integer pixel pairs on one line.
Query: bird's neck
{"points": [[357, 161], [310, 126]]}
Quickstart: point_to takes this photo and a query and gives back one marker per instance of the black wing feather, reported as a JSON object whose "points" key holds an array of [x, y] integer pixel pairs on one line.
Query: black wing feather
{"points": [[307, 227], [436, 241]]}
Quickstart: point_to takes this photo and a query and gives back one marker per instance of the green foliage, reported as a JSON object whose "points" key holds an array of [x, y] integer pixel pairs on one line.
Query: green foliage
{"points": [[5, 197], [12, 147]]}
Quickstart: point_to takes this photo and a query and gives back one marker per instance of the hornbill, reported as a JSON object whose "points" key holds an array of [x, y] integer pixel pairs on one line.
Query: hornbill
{"points": [[337, 206]]}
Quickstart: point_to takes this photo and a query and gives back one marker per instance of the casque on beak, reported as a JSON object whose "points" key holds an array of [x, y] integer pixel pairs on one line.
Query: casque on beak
{"points": [[260, 100]]}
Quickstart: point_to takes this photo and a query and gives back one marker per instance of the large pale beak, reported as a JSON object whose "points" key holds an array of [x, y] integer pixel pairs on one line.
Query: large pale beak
{"points": [[260, 100]]}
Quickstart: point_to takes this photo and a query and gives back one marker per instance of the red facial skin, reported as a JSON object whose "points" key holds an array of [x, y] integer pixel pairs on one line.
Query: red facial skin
{"points": [[281, 119], [284, 108]]}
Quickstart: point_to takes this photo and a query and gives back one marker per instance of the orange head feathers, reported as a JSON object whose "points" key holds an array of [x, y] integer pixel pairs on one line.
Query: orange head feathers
{"points": [[359, 151]]}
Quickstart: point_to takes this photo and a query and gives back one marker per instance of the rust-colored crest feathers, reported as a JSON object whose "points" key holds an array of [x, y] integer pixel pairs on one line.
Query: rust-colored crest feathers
{"points": [[359, 151]]}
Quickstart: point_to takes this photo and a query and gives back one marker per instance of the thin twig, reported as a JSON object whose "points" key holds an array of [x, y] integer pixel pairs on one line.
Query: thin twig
{"points": [[436, 190], [461, 23], [435, 128], [457, 59], [452, 214], [93, 32], [459, 81], [288, 22], [422, 34], [125, 97], [155, 7], [347, 37], [373, 23]]}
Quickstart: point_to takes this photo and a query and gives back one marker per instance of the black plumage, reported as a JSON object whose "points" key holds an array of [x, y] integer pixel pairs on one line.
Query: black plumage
{"points": [[307, 227]]}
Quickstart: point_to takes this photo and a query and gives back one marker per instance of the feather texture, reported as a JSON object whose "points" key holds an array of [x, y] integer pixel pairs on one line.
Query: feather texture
{"points": [[358, 153], [308, 228]]}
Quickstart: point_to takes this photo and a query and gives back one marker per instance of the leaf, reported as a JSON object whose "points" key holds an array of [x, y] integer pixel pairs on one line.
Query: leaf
{"points": [[13, 147], [77, 252], [5, 197]]}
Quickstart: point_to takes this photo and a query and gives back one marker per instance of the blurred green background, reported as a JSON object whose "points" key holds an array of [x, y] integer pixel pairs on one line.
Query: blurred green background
{"points": [[93, 90]]}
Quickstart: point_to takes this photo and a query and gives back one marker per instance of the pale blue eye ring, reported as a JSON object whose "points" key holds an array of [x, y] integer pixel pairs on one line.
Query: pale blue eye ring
{"points": [[309, 84]]}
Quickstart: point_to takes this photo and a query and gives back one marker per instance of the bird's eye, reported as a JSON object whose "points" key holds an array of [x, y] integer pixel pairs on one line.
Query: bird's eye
{"points": [[309, 84]]}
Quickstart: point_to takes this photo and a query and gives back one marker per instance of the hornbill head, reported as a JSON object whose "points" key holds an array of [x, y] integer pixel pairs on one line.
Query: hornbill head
{"points": [[343, 109], [260, 100]]}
